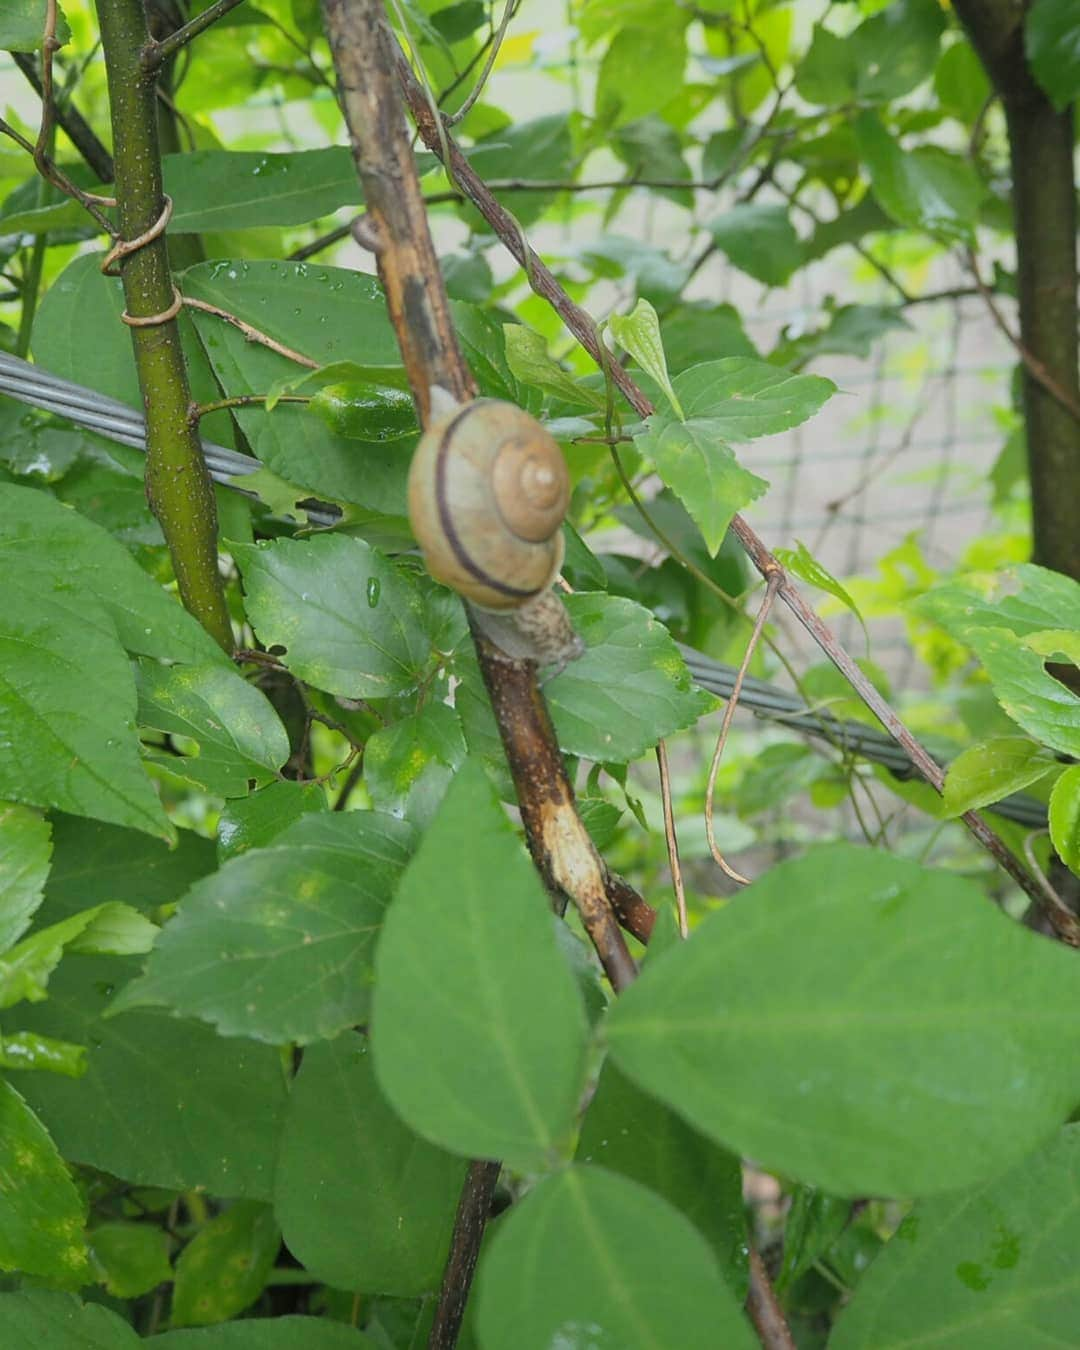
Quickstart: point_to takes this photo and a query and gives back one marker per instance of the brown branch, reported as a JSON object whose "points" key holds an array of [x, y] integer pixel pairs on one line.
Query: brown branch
{"points": [[474, 1207], [395, 226], [764, 1308], [634, 914], [558, 841], [581, 325]]}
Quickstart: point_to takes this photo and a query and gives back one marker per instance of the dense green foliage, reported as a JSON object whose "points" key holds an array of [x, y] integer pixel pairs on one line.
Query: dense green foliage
{"points": [[275, 962]]}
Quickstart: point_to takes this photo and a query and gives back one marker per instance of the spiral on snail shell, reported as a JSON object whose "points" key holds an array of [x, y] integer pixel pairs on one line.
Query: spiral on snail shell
{"points": [[488, 490]]}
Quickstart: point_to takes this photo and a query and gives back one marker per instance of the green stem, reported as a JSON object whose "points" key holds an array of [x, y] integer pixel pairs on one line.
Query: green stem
{"points": [[32, 269], [178, 486]]}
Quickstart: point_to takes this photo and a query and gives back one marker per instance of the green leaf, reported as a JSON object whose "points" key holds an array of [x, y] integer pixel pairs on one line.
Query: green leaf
{"points": [[961, 83], [409, 764], [328, 315], [483, 343], [252, 822], [224, 1268], [562, 1269], [538, 149], [350, 622], [814, 1222], [760, 241], [1032, 697], [94, 863], [988, 1269], [239, 735], [363, 1202], [650, 148], [1065, 817], [78, 334], [528, 358], [163, 1102], [41, 1212], [1052, 44], [22, 26], [38, 220], [735, 399], [903, 1010], [896, 49], [25, 1050], [850, 330], [49, 1320], [804, 565], [696, 332], [25, 854], [700, 468], [922, 189], [279, 1333], [278, 944], [362, 411], [744, 399], [641, 70], [108, 929], [639, 334], [44, 543], [479, 1040], [131, 1258], [1024, 599], [986, 773], [637, 1136], [629, 689], [67, 709], [653, 272], [828, 72], [245, 190]]}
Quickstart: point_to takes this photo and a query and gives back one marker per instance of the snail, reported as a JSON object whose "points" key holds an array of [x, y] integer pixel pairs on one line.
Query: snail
{"points": [[488, 490]]}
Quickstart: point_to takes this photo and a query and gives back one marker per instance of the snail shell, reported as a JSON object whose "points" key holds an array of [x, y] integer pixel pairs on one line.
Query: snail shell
{"points": [[488, 490]]}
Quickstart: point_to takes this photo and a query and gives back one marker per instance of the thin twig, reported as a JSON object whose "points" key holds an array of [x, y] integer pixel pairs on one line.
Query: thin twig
{"points": [[252, 333], [764, 1308], [581, 325], [245, 401], [674, 862], [155, 54], [1053, 897], [1034, 367], [89, 201], [79, 132], [771, 587], [496, 42]]}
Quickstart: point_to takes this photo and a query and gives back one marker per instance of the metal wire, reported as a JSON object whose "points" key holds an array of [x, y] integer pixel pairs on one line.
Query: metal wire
{"points": [[109, 417], [30, 384]]}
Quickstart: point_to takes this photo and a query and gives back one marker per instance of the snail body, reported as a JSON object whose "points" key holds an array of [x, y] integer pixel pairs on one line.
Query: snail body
{"points": [[488, 490]]}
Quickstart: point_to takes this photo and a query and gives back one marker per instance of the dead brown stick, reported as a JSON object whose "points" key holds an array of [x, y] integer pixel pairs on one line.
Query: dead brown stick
{"points": [[474, 1207], [364, 53], [764, 1308], [581, 325]]}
